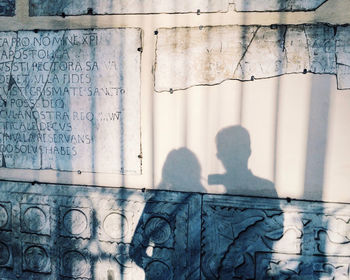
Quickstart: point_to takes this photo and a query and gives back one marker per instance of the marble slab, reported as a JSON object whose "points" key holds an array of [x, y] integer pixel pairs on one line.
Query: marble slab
{"points": [[70, 100], [54, 232], [98, 7], [245, 238], [71, 232], [194, 56]]}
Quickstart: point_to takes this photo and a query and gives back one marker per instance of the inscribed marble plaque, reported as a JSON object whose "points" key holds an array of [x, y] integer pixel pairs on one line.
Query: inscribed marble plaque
{"points": [[67, 7], [70, 100]]}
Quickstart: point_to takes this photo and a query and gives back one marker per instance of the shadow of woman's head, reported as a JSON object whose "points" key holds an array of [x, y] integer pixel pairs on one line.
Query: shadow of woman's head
{"points": [[181, 170]]}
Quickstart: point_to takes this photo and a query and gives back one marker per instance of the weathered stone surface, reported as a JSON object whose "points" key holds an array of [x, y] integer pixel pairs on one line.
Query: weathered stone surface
{"points": [[343, 57], [43, 7], [276, 5], [273, 239], [321, 44], [199, 56], [70, 100], [91, 233], [273, 52], [282, 266], [187, 57], [7, 7]]}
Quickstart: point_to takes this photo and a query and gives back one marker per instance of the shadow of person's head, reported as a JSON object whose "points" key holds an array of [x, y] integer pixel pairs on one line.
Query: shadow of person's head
{"points": [[233, 150], [181, 170], [233, 147]]}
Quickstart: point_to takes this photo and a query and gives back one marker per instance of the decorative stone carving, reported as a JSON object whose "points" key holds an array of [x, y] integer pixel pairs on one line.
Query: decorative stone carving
{"points": [[280, 266], [36, 258], [75, 222], [129, 234], [113, 223], [35, 218], [158, 270], [273, 239], [6, 251], [5, 254], [75, 264], [5, 216]]}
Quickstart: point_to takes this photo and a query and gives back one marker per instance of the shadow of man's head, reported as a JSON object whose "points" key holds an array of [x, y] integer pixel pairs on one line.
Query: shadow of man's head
{"points": [[233, 150], [233, 147]]}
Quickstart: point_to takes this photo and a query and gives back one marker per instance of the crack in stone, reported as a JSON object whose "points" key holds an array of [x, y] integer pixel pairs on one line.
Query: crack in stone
{"points": [[246, 50], [343, 64], [316, 53]]}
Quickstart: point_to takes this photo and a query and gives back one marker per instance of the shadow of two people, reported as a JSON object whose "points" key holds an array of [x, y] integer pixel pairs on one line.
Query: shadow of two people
{"points": [[182, 170]]}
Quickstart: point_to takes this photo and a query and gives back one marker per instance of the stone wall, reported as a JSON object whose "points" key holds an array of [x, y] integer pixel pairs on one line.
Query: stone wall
{"points": [[104, 92], [204, 139], [78, 232]]}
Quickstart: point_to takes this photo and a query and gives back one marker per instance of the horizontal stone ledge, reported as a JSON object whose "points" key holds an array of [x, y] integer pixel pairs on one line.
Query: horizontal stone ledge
{"points": [[101, 7], [192, 56]]}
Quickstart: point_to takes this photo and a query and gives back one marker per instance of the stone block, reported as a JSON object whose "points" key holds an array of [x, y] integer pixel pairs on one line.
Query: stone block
{"points": [[100, 7], [283, 266], [99, 233], [75, 263], [343, 57], [248, 238], [70, 100], [5, 216], [36, 258], [187, 57], [276, 5], [7, 7], [129, 234], [199, 56], [35, 218], [75, 222], [6, 251]]}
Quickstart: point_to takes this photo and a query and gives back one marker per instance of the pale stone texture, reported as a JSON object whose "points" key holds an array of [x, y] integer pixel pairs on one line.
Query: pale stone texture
{"points": [[343, 57], [7, 7], [321, 44], [276, 5], [190, 56], [74, 232], [67, 7], [187, 57], [70, 100]]}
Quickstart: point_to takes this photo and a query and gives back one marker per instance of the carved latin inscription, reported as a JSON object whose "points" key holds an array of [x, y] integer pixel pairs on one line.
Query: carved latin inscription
{"points": [[69, 100]]}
